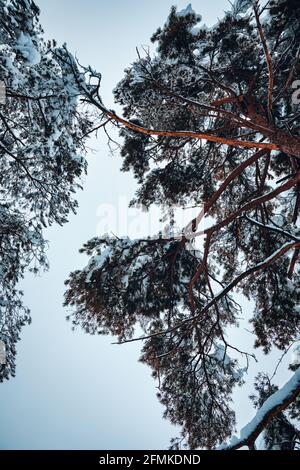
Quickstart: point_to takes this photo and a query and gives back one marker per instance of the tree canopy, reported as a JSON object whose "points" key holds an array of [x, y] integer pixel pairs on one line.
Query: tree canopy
{"points": [[208, 121], [41, 156]]}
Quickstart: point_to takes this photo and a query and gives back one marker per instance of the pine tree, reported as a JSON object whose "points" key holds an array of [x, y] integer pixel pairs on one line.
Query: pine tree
{"points": [[208, 121], [41, 156]]}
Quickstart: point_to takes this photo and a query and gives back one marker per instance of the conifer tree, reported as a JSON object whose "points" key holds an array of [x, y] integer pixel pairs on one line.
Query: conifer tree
{"points": [[42, 131], [209, 120]]}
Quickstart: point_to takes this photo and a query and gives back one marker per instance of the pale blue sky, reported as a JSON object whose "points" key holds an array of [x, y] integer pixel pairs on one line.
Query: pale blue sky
{"points": [[72, 390]]}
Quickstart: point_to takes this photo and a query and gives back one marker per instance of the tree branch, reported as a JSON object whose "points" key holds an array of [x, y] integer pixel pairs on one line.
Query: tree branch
{"points": [[262, 265], [181, 134], [268, 59], [236, 172], [275, 404]]}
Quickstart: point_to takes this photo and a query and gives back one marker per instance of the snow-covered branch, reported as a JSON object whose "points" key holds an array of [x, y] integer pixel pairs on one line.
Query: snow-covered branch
{"points": [[273, 228], [276, 403], [260, 266]]}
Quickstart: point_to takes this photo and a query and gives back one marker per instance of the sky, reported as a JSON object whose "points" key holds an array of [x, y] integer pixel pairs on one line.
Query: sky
{"points": [[74, 391]]}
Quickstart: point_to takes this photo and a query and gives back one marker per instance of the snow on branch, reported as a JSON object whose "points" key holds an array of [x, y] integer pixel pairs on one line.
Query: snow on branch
{"points": [[272, 227], [276, 403], [260, 266]]}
